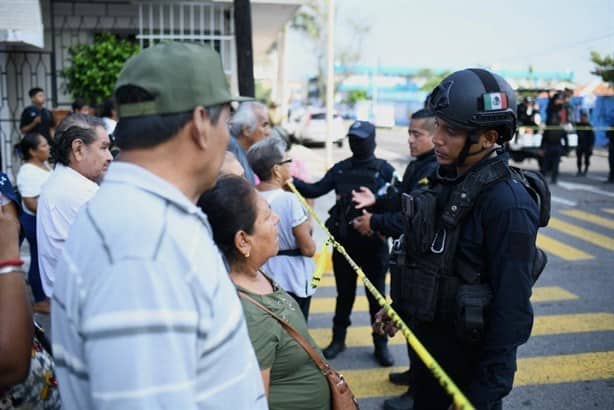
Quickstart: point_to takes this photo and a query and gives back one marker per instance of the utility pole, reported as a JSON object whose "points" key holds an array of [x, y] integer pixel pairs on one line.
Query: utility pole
{"points": [[330, 83], [245, 51]]}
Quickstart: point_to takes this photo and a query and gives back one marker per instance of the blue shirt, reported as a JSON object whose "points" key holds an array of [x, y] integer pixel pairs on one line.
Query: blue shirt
{"points": [[144, 314], [237, 149]]}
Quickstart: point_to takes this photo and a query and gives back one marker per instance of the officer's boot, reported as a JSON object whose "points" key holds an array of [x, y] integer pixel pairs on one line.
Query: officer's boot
{"points": [[382, 354], [336, 346]]}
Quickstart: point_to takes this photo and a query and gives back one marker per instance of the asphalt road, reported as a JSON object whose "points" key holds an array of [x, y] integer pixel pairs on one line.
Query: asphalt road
{"points": [[569, 360]]}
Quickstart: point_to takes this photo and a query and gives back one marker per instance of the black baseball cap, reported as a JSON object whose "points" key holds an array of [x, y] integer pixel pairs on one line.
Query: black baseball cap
{"points": [[362, 129]]}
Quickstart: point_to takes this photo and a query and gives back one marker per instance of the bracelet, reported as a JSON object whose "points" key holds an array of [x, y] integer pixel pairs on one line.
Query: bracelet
{"points": [[10, 269], [11, 262]]}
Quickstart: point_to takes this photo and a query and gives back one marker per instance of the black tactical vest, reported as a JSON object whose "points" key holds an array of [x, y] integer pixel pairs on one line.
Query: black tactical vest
{"points": [[352, 178], [427, 282]]}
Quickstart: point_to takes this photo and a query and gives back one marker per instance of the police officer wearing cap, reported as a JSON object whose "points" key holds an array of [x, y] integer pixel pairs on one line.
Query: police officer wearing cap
{"points": [[468, 254], [370, 252]]}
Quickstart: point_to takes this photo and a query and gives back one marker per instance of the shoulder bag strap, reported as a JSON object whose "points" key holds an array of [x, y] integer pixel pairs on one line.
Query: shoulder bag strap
{"points": [[320, 363]]}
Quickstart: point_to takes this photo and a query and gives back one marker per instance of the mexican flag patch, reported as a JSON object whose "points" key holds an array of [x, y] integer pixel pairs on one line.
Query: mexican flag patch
{"points": [[495, 101]]}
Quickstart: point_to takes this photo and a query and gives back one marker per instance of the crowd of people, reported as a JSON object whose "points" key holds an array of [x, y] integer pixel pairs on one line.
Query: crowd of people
{"points": [[174, 271]]}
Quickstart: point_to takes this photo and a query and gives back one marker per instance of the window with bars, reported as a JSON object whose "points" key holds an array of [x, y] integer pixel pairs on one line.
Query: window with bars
{"points": [[196, 21]]}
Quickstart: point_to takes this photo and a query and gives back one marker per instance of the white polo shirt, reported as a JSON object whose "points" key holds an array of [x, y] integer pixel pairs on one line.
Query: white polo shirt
{"points": [[60, 199], [144, 314]]}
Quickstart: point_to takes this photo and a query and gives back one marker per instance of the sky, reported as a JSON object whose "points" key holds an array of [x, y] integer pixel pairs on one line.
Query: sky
{"points": [[549, 35]]}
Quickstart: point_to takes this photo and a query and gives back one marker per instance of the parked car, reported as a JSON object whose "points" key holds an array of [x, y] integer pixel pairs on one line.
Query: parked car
{"points": [[526, 143], [311, 128]]}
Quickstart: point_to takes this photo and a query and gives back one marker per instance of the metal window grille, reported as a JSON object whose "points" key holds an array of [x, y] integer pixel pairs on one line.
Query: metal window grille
{"points": [[195, 21]]}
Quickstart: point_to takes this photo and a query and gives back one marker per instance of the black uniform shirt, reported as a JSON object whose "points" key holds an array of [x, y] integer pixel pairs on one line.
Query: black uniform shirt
{"points": [[389, 219], [498, 239], [33, 111]]}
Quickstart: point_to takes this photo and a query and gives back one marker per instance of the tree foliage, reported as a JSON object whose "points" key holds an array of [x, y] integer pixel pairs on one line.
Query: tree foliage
{"points": [[312, 20], [604, 66], [432, 79], [356, 95], [94, 68]]}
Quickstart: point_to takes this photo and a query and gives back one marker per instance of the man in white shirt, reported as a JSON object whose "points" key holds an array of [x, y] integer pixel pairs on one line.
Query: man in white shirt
{"points": [[144, 314], [81, 152]]}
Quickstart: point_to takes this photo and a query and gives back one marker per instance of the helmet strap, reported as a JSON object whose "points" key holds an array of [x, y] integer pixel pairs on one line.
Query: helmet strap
{"points": [[471, 139]]}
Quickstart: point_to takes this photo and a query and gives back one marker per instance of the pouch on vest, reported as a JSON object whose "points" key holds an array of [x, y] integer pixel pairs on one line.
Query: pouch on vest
{"points": [[397, 261], [472, 303], [419, 290], [420, 212]]}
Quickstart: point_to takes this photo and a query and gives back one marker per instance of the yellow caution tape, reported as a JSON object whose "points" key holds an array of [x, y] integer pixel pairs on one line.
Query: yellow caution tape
{"points": [[321, 264], [460, 401]]}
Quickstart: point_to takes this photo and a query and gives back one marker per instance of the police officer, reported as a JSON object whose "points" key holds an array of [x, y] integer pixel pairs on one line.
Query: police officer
{"points": [[387, 218], [469, 249], [554, 142], [369, 252]]}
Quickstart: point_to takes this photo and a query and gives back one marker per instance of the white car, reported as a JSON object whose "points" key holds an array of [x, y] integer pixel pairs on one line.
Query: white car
{"points": [[311, 128]]}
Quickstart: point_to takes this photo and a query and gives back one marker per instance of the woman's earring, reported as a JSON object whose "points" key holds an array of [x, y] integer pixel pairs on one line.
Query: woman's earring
{"points": [[246, 255]]}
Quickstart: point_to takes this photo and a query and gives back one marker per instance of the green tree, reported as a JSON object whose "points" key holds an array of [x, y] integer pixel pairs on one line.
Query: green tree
{"points": [[311, 19], [604, 66], [356, 95], [432, 79], [94, 68]]}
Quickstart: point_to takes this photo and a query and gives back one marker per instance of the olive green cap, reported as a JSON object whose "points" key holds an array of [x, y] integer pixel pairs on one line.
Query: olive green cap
{"points": [[181, 76]]}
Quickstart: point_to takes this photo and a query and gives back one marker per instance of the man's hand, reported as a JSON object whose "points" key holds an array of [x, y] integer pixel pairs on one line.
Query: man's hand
{"points": [[383, 324], [363, 198], [363, 223], [37, 120]]}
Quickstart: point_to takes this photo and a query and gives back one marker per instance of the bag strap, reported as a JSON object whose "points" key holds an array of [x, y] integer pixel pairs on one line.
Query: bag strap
{"points": [[320, 363]]}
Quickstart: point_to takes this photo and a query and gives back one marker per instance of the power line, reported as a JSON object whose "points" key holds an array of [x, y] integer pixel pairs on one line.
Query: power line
{"points": [[563, 47]]}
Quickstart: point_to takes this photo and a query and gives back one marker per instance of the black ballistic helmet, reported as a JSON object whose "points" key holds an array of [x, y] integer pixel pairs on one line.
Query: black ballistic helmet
{"points": [[475, 99]]}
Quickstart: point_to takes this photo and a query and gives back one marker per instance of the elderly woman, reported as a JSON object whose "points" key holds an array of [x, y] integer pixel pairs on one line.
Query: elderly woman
{"points": [[245, 229], [293, 266]]}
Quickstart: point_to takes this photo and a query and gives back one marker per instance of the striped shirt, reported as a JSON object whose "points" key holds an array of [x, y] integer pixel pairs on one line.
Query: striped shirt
{"points": [[144, 314]]}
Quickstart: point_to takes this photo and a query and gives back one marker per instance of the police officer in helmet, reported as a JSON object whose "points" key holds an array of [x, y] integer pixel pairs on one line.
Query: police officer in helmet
{"points": [[370, 252], [468, 253]]}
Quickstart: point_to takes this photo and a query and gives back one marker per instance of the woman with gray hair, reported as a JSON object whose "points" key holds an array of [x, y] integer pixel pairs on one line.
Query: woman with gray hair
{"points": [[293, 266]]}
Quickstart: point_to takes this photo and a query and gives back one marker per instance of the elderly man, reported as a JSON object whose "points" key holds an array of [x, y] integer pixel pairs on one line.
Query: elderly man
{"points": [[144, 314], [81, 152], [249, 125]]}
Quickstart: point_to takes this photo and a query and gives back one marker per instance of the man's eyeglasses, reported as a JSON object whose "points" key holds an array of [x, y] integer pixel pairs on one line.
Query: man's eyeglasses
{"points": [[285, 161]]}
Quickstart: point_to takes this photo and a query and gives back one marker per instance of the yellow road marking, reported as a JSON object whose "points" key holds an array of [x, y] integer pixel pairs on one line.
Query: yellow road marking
{"points": [[540, 294], [531, 371], [574, 323], [587, 217], [603, 241], [358, 336], [608, 210], [561, 250]]}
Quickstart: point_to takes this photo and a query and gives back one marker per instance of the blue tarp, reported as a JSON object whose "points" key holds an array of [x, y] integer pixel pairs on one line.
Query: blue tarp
{"points": [[601, 111]]}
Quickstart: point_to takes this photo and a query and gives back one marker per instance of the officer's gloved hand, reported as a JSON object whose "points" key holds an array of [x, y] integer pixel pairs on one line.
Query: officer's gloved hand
{"points": [[383, 324], [362, 223], [363, 198]]}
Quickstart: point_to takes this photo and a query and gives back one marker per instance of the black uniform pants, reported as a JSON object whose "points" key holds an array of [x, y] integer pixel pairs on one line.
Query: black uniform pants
{"points": [[552, 159], [583, 152], [374, 262], [611, 160], [459, 362]]}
